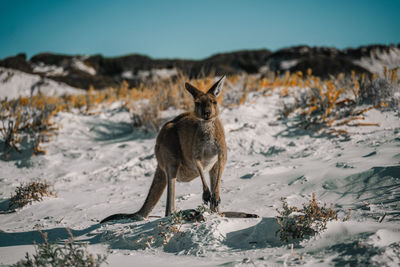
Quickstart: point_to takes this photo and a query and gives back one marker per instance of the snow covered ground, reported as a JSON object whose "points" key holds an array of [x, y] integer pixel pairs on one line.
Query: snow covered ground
{"points": [[378, 60], [100, 165], [15, 83]]}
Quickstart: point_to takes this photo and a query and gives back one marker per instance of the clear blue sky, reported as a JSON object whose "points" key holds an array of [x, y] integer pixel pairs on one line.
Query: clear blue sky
{"points": [[191, 29]]}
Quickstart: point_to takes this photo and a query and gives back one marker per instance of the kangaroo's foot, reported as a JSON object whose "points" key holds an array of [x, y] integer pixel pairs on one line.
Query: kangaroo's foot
{"points": [[206, 196], [214, 203], [122, 216]]}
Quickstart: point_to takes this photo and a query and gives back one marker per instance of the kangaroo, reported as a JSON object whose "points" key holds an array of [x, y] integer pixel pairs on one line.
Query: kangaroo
{"points": [[187, 147]]}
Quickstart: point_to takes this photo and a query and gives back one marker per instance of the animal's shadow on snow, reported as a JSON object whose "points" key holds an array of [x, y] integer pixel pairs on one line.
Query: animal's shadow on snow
{"points": [[115, 132], [261, 235]]}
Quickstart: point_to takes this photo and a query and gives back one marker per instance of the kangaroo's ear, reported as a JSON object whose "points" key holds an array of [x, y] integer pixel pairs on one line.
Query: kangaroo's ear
{"points": [[216, 89], [193, 90]]}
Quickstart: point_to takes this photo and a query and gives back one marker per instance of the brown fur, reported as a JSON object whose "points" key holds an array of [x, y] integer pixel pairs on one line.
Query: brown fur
{"points": [[187, 147]]}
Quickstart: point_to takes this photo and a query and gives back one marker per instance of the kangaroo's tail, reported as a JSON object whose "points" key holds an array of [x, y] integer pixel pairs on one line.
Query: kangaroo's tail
{"points": [[123, 216], [156, 190]]}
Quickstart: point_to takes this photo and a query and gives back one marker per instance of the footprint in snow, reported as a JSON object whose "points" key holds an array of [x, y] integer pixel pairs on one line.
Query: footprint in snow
{"points": [[370, 154], [247, 176], [301, 179], [273, 150], [344, 165]]}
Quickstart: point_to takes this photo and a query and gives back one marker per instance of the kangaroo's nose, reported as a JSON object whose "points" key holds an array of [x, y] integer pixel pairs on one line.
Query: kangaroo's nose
{"points": [[207, 114]]}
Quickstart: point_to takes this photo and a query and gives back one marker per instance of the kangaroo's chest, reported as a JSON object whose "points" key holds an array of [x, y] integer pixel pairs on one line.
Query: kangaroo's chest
{"points": [[207, 148], [204, 147]]}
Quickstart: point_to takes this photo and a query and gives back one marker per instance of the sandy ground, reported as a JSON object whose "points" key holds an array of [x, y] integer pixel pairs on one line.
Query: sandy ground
{"points": [[100, 165]]}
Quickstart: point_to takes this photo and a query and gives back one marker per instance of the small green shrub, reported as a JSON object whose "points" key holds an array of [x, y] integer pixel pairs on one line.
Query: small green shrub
{"points": [[29, 192], [298, 223], [71, 253]]}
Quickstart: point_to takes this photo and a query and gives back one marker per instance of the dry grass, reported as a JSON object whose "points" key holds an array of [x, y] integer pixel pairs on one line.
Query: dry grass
{"points": [[26, 193], [312, 103], [326, 105], [298, 223], [28, 120], [170, 227]]}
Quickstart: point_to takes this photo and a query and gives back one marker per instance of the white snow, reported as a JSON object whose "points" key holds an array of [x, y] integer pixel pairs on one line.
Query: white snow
{"points": [[49, 70], [153, 73], [78, 63], [378, 60], [287, 64], [14, 83], [100, 165], [127, 74]]}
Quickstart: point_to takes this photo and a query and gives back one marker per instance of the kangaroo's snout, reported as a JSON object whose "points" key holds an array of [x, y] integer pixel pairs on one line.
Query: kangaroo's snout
{"points": [[207, 114]]}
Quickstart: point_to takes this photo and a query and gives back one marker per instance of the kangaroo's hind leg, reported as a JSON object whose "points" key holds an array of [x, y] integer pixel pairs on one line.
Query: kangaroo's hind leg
{"points": [[172, 172]]}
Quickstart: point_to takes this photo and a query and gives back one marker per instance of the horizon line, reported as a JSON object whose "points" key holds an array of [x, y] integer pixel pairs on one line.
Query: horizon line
{"points": [[202, 58]]}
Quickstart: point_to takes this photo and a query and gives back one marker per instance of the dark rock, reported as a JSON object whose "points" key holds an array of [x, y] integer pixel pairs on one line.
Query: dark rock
{"points": [[52, 59], [17, 62], [323, 61], [323, 66]]}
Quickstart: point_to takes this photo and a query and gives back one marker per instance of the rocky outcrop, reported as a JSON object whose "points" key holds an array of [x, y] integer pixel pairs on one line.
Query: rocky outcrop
{"points": [[324, 61], [17, 62], [324, 66]]}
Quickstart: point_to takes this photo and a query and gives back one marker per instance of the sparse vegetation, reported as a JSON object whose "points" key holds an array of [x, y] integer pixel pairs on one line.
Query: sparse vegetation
{"points": [[171, 226], [26, 123], [26, 193], [311, 103], [298, 223], [71, 253], [307, 102], [381, 90], [326, 106]]}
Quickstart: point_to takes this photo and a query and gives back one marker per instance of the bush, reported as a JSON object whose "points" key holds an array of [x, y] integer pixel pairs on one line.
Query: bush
{"points": [[381, 90], [327, 105], [145, 117], [69, 254], [298, 223], [30, 192], [26, 123]]}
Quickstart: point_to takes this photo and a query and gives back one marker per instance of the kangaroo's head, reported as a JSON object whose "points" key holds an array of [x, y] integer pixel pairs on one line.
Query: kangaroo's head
{"points": [[205, 104]]}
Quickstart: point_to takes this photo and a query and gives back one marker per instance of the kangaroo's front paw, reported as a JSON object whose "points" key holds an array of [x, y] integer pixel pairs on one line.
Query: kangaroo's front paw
{"points": [[214, 203], [206, 196]]}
